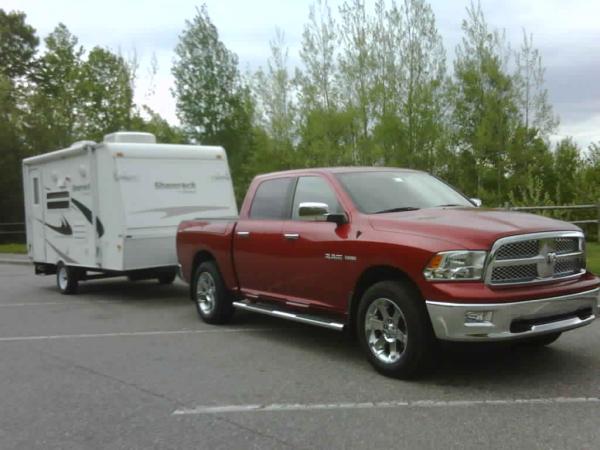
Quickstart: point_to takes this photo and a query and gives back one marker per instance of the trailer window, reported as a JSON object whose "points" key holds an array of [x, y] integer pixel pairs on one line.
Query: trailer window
{"points": [[57, 200], [36, 191], [272, 199]]}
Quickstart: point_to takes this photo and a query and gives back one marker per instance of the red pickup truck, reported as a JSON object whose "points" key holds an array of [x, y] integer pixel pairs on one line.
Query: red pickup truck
{"points": [[397, 256]]}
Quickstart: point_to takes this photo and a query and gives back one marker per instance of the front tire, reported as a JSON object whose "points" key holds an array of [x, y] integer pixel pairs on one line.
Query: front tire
{"points": [[394, 330], [67, 279], [212, 299]]}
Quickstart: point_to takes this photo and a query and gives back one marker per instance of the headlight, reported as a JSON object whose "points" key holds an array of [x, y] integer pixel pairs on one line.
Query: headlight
{"points": [[456, 265]]}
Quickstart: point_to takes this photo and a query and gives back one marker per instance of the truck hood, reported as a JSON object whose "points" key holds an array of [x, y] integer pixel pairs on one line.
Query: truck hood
{"points": [[470, 228]]}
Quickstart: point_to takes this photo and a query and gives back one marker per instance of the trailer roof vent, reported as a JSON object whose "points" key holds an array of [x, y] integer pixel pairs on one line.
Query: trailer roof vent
{"points": [[82, 143], [130, 137]]}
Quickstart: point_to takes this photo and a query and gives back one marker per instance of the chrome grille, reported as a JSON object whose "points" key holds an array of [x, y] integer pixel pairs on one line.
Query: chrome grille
{"points": [[514, 250], [566, 245], [566, 267], [538, 257], [511, 274]]}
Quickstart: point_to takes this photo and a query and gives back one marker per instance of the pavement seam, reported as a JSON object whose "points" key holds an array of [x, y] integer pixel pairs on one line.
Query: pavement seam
{"points": [[258, 432], [69, 363]]}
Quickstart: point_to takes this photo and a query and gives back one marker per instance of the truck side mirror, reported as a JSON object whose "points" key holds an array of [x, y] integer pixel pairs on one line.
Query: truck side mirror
{"points": [[337, 218], [476, 201], [319, 212], [313, 211]]}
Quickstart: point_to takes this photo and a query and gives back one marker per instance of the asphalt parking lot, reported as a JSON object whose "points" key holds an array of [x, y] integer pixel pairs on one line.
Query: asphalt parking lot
{"points": [[129, 366]]}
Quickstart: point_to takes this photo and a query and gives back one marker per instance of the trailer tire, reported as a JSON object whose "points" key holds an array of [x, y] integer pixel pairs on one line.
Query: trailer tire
{"points": [[394, 330], [212, 299], [67, 279]]}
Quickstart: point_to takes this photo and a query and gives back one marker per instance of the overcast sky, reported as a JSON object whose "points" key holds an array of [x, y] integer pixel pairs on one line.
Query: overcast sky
{"points": [[566, 31]]}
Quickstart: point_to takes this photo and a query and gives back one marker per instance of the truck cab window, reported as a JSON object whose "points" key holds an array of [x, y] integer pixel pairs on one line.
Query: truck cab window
{"points": [[314, 189], [271, 200]]}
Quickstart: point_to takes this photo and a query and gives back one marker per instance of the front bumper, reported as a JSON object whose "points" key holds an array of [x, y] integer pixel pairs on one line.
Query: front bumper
{"points": [[507, 321]]}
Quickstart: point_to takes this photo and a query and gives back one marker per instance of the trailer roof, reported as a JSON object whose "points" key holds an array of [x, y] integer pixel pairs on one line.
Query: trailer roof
{"points": [[134, 150]]}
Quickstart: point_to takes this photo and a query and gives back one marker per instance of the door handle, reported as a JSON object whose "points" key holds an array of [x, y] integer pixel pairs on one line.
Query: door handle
{"points": [[291, 236], [243, 234]]}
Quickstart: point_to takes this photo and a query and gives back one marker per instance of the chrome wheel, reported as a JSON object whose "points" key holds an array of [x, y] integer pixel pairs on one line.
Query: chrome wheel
{"points": [[206, 292], [385, 330], [63, 278]]}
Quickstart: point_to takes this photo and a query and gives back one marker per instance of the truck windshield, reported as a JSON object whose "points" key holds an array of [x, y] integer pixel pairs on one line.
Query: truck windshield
{"points": [[390, 191]]}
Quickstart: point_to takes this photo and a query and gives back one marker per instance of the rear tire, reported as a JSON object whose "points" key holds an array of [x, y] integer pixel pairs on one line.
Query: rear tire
{"points": [[67, 279], [212, 299], [394, 330]]}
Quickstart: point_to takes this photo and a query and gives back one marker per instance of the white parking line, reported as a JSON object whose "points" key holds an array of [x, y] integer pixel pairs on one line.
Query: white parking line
{"points": [[131, 334], [55, 303], [282, 407]]}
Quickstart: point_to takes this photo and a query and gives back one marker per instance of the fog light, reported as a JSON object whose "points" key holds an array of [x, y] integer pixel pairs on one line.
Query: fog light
{"points": [[478, 316]]}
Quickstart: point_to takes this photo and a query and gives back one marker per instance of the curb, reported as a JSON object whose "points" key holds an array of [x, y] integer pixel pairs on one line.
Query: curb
{"points": [[18, 261]]}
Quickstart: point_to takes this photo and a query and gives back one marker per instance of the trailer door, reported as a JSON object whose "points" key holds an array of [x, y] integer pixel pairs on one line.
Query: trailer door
{"points": [[37, 241]]}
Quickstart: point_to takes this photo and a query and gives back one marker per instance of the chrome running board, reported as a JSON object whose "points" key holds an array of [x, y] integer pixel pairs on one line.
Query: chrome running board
{"points": [[302, 318]]}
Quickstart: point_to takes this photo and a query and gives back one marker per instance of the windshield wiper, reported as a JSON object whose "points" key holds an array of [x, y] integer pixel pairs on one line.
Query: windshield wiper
{"points": [[449, 204], [391, 210]]}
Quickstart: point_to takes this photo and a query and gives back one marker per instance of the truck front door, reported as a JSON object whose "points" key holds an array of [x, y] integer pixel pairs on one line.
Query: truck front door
{"points": [[318, 265]]}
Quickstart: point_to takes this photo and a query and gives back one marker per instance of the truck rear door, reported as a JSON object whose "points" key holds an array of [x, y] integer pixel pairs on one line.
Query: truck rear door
{"points": [[258, 242]]}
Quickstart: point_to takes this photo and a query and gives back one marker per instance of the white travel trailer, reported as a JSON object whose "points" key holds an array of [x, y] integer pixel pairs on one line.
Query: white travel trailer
{"points": [[112, 208]]}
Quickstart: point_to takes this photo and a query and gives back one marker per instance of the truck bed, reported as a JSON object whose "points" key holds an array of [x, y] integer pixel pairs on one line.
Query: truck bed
{"points": [[215, 234]]}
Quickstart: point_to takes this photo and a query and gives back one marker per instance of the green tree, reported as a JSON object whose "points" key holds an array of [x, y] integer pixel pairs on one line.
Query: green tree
{"points": [[316, 79], [274, 91], [158, 126], [18, 44], [213, 104], [419, 77], [55, 102], [484, 111], [567, 164], [532, 96], [105, 92], [355, 76]]}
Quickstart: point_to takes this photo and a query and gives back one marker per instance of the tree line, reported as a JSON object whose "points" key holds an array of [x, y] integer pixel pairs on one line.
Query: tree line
{"points": [[373, 87]]}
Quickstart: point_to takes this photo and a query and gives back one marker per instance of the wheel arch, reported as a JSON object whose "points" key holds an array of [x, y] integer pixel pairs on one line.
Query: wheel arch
{"points": [[368, 278], [199, 258]]}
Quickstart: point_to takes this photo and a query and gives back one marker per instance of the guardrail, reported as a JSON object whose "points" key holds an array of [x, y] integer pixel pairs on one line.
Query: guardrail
{"points": [[12, 228], [18, 228], [595, 207]]}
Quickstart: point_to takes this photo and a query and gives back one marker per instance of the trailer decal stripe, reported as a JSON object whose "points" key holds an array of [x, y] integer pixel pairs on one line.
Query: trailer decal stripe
{"points": [[182, 210], [88, 215], [64, 228], [64, 256]]}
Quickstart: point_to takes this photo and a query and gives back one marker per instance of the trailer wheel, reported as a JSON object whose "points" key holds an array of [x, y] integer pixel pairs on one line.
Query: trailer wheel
{"points": [[67, 279], [212, 299], [167, 278], [394, 330]]}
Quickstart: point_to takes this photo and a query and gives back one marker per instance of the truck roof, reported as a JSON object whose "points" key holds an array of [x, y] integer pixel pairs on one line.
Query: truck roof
{"points": [[334, 170]]}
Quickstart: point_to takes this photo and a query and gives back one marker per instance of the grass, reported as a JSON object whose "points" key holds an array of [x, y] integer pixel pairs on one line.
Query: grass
{"points": [[13, 248], [593, 257], [593, 253]]}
